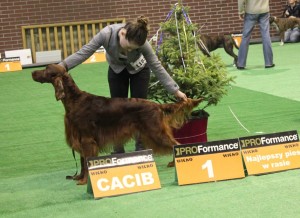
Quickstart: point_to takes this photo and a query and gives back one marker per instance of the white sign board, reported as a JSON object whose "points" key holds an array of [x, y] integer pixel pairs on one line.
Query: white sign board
{"points": [[24, 54]]}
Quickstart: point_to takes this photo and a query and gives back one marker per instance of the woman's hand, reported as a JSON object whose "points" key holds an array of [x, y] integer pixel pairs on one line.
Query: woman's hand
{"points": [[180, 95], [241, 16]]}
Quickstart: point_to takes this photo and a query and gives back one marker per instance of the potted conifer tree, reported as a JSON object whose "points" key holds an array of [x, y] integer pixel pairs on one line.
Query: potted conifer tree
{"points": [[197, 75]]}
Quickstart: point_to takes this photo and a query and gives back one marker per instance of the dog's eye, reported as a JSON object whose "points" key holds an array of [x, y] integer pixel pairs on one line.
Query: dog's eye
{"points": [[50, 73]]}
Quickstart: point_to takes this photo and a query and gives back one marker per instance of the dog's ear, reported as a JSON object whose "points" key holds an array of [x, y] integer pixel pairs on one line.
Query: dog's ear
{"points": [[59, 88]]}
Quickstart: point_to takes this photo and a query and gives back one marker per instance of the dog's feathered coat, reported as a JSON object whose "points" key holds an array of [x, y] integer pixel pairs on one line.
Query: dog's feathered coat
{"points": [[92, 123]]}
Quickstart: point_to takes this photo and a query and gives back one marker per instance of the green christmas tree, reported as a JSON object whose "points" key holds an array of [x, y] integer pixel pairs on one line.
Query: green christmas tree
{"points": [[197, 75]]}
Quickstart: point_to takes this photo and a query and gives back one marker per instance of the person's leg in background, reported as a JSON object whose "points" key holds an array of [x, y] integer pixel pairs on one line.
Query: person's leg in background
{"points": [[118, 87], [264, 27], [249, 22], [295, 35], [139, 84], [287, 35]]}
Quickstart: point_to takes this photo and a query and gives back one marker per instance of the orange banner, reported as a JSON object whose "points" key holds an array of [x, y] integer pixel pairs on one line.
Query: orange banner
{"points": [[123, 174], [271, 152], [272, 158], [124, 180]]}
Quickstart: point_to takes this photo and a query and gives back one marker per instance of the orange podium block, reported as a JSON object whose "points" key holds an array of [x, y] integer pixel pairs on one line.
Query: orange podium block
{"points": [[271, 152], [10, 64], [208, 162], [96, 57], [122, 174]]}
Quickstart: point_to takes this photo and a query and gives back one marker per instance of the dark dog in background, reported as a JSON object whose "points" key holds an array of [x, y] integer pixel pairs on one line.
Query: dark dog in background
{"points": [[210, 43], [92, 123], [283, 24]]}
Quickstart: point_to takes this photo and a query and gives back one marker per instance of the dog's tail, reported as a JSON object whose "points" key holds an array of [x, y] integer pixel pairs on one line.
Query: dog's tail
{"points": [[177, 113], [203, 48]]}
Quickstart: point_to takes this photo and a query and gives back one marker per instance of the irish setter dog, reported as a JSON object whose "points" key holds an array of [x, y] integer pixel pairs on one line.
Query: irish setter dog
{"points": [[94, 123]]}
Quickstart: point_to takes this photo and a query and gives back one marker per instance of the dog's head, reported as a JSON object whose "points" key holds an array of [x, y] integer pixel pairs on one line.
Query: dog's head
{"points": [[52, 74], [272, 19], [177, 113], [274, 22], [49, 74]]}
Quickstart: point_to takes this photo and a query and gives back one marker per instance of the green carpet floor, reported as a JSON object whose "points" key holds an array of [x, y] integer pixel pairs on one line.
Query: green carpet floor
{"points": [[35, 158]]}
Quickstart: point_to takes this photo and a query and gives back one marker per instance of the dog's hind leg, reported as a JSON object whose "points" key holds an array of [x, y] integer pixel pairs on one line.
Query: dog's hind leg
{"points": [[203, 48], [228, 47], [161, 141]]}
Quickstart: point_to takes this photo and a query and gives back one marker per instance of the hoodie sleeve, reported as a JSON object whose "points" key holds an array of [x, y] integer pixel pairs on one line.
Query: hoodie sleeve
{"points": [[159, 71], [241, 6], [86, 51]]}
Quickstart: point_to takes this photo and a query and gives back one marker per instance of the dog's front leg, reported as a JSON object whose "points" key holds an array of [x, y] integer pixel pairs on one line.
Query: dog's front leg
{"points": [[282, 38], [281, 42], [172, 163], [84, 174], [81, 175], [89, 149]]}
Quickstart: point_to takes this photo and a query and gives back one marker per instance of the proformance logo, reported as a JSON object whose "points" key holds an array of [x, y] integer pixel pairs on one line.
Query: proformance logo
{"points": [[206, 148], [269, 139], [120, 159]]}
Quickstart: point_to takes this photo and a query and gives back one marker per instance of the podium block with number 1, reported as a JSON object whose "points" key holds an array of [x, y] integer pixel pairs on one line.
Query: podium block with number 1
{"points": [[207, 162], [10, 66]]}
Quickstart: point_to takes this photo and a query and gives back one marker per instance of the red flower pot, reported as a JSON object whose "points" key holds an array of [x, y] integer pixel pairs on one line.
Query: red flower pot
{"points": [[193, 131]]}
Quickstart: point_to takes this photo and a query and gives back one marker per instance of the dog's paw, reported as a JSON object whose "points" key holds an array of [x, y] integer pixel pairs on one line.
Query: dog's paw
{"points": [[82, 181], [78, 177], [171, 164], [281, 43]]}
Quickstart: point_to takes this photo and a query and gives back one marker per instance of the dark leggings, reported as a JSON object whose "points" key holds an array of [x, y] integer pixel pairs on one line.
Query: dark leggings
{"points": [[119, 84]]}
